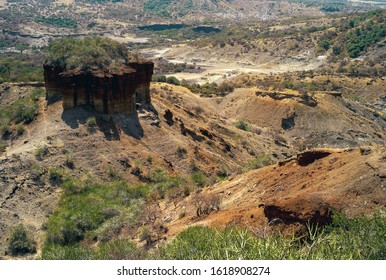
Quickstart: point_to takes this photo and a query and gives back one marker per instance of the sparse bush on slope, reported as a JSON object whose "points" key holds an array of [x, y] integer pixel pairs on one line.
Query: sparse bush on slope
{"points": [[21, 242]]}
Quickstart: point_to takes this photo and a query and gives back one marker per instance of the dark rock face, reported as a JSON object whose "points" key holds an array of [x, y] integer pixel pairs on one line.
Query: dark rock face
{"points": [[309, 157], [108, 91]]}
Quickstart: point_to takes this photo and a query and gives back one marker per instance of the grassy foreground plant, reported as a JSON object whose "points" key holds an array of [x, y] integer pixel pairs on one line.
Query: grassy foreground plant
{"points": [[361, 238], [21, 242]]}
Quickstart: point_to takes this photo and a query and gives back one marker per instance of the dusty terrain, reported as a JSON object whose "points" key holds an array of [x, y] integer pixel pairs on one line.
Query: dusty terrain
{"points": [[217, 64], [186, 132]]}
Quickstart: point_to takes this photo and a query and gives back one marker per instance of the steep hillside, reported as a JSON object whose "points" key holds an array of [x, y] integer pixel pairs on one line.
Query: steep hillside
{"points": [[289, 194]]}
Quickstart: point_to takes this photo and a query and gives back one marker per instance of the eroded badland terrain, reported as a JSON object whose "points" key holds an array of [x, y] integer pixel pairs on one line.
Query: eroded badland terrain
{"points": [[265, 117]]}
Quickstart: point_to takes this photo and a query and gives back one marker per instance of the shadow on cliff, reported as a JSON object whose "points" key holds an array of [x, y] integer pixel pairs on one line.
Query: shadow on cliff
{"points": [[109, 125]]}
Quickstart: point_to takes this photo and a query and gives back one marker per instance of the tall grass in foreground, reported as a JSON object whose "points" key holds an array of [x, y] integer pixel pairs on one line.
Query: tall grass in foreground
{"points": [[346, 239]]}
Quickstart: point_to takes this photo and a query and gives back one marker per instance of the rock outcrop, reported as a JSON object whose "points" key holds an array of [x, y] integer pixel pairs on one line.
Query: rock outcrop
{"points": [[106, 91]]}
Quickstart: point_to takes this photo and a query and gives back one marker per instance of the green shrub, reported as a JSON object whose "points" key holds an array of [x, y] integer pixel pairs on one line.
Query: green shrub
{"points": [[16, 67], [158, 7], [173, 80], [113, 173], [91, 121], [114, 250], [242, 125], [162, 187], [199, 179], [258, 162], [22, 111], [57, 252], [41, 152], [336, 50], [72, 186], [87, 207], [25, 113], [70, 162], [159, 79], [324, 44], [61, 22], [119, 250], [36, 172], [57, 175], [21, 242], [109, 230], [20, 130], [210, 89]]}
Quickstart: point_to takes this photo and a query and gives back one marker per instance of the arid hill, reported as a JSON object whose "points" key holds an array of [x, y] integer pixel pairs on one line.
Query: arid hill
{"points": [[304, 189], [187, 134]]}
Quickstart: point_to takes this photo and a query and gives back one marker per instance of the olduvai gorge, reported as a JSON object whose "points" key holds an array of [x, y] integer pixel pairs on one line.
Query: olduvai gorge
{"points": [[192, 130]]}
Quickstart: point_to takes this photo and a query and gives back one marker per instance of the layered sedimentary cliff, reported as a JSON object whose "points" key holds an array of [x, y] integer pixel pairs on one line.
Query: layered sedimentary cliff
{"points": [[106, 91]]}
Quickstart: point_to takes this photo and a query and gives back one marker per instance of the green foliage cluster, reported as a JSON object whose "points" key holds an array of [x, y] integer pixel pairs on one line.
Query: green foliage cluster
{"points": [[22, 111], [57, 175], [199, 179], [179, 31], [87, 206], [163, 79], [258, 162], [243, 125], [61, 22], [173, 80], [159, 79], [360, 33], [91, 121], [324, 44], [210, 89], [20, 68], [251, 37], [360, 39], [300, 86], [164, 67], [330, 9], [158, 7], [98, 211], [87, 53], [347, 239], [169, 8], [41, 152], [21, 242], [160, 183], [120, 249]]}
